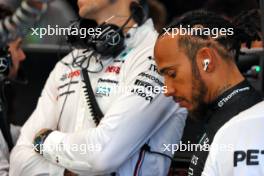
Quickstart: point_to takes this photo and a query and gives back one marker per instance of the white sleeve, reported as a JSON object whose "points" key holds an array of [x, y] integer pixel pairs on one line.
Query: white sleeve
{"points": [[127, 125], [15, 132], [24, 161], [4, 165]]}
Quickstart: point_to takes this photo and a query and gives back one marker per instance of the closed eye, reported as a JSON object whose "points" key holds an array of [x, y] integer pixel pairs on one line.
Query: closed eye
{"points": [[171, 73]]}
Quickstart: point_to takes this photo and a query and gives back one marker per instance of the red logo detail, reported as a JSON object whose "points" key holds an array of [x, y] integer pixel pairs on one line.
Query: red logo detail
{"points": [[112, 69], [74, 74]]}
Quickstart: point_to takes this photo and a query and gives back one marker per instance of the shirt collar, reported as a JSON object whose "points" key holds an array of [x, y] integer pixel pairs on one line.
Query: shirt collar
{"points": [[137, 34], [230, 94]]}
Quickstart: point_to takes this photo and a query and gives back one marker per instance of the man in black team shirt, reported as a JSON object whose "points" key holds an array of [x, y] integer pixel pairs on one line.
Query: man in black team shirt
{"points": [[201, 74]]}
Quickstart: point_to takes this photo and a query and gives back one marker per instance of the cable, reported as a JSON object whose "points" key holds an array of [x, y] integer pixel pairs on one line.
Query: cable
{"points": [[4, 125], [95, 110], [80, 63], [68, 89], [147, 148]]}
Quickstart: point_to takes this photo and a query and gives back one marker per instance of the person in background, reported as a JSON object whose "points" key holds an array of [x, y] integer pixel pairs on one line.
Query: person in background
{"points": [[9, 135]]}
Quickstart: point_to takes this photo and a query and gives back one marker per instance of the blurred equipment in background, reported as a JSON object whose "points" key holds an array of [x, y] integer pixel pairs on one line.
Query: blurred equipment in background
{"points": [[230, 8], [13, 4], [254, 71], [22, 20], [59, 14], [250, 60], [262, 53]]}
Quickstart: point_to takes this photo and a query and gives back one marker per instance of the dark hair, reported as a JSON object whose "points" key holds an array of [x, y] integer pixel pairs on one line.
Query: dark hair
{"points": [[5, 11], [157, 12], [230, 8], [250, 22], [228, 46]]}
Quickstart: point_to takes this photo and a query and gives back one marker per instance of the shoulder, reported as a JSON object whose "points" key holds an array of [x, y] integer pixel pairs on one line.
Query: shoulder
{"points": [[244, 129], [65, 64], [68, 59], [238, 144], [141, 55], [143, 42]]}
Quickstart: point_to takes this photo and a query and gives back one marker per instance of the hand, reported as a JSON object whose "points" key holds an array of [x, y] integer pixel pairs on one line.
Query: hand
{"points": [[69, 173], [38, 4], [34, 4]]}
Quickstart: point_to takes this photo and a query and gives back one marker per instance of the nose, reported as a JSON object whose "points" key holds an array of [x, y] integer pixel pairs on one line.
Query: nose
{"points": [[170, 90]]}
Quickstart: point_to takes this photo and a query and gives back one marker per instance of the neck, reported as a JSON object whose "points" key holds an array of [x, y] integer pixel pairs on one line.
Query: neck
{"points": [[232, 78], [115, 14], [120, 21]]}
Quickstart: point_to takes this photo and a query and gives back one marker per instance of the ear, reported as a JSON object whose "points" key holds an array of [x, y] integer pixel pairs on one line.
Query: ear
{"points": [[205, 60]]}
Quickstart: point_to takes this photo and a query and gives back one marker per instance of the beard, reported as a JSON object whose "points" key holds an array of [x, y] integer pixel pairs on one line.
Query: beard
{"points": [[200, 107]]}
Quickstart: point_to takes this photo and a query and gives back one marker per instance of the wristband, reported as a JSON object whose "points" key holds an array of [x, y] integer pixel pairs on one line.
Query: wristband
{"points": [[39, 141]]}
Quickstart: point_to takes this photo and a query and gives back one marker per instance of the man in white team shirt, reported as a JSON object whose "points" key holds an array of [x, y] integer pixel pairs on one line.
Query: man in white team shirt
{"points": [[201, 74], [238, 148], [76, 145]]}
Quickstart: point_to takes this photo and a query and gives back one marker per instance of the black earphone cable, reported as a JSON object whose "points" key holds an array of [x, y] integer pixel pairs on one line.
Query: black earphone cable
{"points": [[147, 148]]}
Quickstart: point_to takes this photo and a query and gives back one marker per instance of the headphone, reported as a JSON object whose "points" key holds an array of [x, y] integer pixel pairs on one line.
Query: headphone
{"points": [[5, 63], [206, 63], [111, 40]]}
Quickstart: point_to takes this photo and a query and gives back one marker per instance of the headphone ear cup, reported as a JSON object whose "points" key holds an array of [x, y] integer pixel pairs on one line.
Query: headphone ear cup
{"points": [[73, 39], [111, 42], [5, 63]]}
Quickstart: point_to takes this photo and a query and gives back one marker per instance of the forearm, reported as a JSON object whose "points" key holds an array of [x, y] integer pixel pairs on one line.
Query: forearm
{"points": [[24, 161], [109, 140], [3, 165]]}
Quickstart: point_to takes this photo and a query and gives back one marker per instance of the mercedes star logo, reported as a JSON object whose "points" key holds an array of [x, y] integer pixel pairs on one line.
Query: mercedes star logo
{"points": [[113, 38], [3, 64]]}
